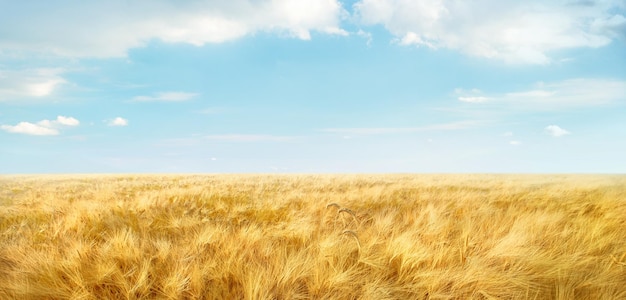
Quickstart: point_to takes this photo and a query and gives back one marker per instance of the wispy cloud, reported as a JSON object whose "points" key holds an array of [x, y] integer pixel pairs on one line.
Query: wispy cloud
{"points": [[572, 92], [470, 96], [515, 143], [249, 138], [367, 36], [210, 111], [564, 94], [614, 26], [399, 130], [43, 127], [197, 139], [556, 131], [118, 122], [473, 99], [31, 83], [167, 97]]}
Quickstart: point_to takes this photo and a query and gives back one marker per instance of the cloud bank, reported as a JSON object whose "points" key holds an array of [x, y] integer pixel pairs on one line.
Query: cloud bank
{"points": [[110, 28], [517, 32]]}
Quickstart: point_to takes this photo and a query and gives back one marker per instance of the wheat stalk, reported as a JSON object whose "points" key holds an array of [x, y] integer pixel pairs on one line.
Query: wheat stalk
{"points": [[356, 237]]}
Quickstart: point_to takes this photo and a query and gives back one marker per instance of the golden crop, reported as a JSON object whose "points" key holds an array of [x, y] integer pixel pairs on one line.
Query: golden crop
{"points": [[313, 237]]}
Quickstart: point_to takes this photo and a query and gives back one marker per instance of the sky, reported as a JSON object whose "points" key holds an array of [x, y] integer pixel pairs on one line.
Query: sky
{"points": [[313, 86]]}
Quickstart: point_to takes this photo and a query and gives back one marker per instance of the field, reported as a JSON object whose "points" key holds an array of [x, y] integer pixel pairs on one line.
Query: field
{"points": [[313, 237]]}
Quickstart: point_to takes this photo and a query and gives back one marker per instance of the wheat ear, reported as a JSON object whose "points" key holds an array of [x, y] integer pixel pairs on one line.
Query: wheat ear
{"points": [[333, 204], [350, 212]]}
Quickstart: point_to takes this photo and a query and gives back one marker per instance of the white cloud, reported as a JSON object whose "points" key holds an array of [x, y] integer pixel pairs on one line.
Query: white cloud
{"points": [[117, 25], [67, 121], [474, 99], [30, 129], [572, 93], [33, 83], [515, 143], [411, 38], [508, 133], [119, 121], [60, 120], [507, 30], [167, 97], [556, 131], [43, 127]]}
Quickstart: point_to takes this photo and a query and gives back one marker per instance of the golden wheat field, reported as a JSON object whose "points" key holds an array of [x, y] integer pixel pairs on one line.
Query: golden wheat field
{"points": [[313, 237]]}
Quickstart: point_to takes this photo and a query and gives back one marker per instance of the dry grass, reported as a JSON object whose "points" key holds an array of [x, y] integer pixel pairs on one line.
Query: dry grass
{"points": [[313, 237]]}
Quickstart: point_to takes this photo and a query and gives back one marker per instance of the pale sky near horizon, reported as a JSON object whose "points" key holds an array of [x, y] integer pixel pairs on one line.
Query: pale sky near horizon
{"points": [[312, 86]]}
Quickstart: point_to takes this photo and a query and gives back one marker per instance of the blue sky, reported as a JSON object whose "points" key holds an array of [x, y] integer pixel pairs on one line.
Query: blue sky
{"points": [[312, 86]]}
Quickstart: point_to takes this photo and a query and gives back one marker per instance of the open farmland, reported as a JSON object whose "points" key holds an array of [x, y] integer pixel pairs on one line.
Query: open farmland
{"points": [[313, 237]]}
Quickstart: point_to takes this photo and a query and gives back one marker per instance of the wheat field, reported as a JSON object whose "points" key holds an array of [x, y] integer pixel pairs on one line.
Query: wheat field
{"points": [[313, 237]]}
